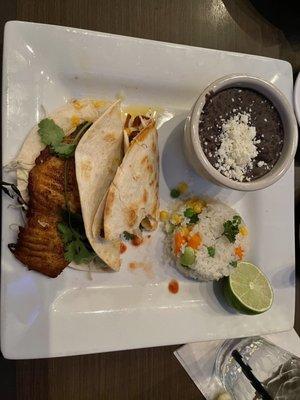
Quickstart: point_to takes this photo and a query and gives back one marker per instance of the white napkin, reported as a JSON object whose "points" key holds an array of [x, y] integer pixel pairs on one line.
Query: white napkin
{"points": [[198, 360]]}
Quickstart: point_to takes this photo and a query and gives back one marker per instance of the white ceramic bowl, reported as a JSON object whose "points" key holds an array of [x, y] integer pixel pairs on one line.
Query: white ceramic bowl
{"points": [[193, 148], [297, 98]]}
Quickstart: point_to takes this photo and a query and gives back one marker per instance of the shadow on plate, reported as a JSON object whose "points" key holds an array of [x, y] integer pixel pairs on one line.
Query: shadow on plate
{"points": [[214, 298], [218, 292], [175, 167], [284, 278]]}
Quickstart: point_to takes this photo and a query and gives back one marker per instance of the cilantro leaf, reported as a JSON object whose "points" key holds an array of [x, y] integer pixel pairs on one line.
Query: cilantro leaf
{"points": [[237, 219], [76, 251], [64, 149], [50, 133], [66, 232], [76, 244], [75, 221], [127, 235], [194, 219], [211, 251], [233, 264], [231, 228]]}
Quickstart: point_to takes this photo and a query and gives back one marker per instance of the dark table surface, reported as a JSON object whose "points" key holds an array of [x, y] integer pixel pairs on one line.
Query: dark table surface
{"points": [[233, 25]]}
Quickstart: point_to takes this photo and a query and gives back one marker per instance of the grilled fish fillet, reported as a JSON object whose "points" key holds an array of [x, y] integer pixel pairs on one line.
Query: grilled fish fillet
{"points": [[39, 244]]}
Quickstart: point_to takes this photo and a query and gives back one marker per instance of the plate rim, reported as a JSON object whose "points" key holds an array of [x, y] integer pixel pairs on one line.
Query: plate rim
{"points": [[7, 31]]}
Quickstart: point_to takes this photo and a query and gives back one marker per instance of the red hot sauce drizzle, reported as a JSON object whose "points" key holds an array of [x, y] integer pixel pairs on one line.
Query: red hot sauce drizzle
{"points": [[173, 286]]}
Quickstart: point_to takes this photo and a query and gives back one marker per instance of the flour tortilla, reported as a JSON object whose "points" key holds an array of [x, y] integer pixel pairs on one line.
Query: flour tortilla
{"points": [[67, 117], [97, 157], [133, 194]]}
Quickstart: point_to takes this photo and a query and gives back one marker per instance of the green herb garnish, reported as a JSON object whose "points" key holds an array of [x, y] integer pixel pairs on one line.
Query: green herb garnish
{"points": [[50, 133], [53, 136], [76, 244], [233, 264], [237, 219], [231, 228], [189, 212], [192, 215], [71, 228], [175, 193], [64, 150], [211, 251], [127, 235], [194, 219]]}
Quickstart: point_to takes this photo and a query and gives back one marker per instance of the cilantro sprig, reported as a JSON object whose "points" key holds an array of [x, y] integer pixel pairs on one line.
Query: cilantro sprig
{"points": [[211, 250], [76, 244], [231, 228], [53, 136], [71, 228]]}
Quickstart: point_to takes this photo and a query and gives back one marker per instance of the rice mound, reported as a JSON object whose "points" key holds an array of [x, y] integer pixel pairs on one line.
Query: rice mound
{"points": [[210, 227]]}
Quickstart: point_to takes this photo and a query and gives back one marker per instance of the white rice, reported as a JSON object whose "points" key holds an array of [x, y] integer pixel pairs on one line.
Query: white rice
{"points": [[210, 227]]}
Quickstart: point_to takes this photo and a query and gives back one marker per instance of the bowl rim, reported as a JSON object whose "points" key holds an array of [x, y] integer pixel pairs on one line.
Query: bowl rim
{"points": [[297, 98], [234, 80]]}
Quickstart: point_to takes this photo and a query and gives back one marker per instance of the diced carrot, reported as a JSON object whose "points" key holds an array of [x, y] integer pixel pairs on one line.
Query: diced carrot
{"points": [[179, 240], [195, 241], [239, 252]]}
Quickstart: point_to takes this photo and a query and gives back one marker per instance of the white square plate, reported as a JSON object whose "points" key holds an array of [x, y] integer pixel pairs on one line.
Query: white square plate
{"points": [[41, 317]]}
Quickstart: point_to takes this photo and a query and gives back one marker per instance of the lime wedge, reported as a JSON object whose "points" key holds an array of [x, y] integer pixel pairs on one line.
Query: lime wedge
{"points": [[248, 290]]}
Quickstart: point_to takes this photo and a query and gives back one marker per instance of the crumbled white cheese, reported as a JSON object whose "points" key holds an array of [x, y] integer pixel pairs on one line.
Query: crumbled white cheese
{"points": [[261, 164], [238, 147]]}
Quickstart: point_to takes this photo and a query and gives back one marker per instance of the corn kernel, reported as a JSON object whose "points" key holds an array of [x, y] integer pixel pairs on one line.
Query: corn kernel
{"points": [[176, 219], [243, 231], [196, 204], [164, 216], [185, 231], [198, 207], [98, 103], [182, 187], [77, 104], [191, 202], [75, 120]]}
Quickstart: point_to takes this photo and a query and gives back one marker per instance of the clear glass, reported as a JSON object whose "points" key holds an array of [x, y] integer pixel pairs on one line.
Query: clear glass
{"points": [[277, 369]]}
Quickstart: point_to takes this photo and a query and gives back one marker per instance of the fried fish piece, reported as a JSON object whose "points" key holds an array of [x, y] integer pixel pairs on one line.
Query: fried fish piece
{"points": [[39, 244], [47, 182]]}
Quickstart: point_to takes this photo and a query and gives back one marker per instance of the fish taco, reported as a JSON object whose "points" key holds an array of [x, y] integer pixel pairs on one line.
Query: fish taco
{"points": [[64, 170], [132, 202]]}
